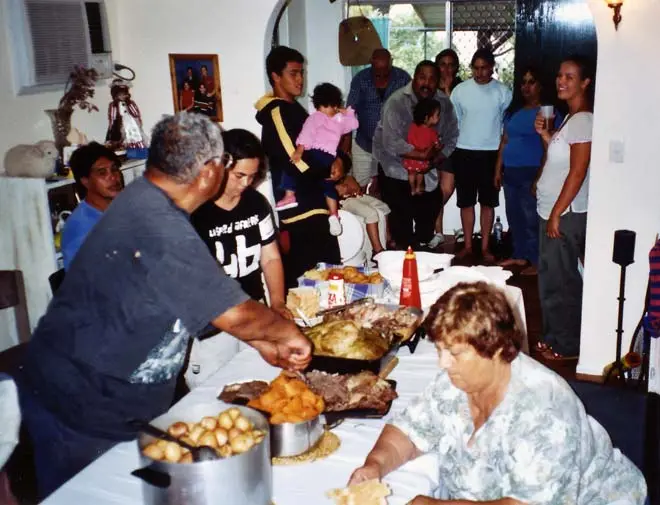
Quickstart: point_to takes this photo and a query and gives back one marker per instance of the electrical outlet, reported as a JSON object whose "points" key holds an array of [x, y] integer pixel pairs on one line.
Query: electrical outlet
{"points": [[102, 63], [617, 151]]}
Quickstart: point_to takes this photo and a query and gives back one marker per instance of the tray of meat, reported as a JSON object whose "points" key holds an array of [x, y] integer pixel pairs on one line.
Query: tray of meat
{"points": [[348, 347], [398, 324], [346, 396]]}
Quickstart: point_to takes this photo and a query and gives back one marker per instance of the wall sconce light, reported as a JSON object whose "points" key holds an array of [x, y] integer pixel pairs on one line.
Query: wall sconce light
{"points": [[616, 6]]}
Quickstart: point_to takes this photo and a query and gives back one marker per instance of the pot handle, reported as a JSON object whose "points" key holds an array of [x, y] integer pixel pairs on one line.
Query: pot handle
{"points": [[153, 477]]}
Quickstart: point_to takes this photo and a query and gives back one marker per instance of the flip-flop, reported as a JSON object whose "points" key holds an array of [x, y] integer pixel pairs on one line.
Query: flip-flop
{"points": [[542, 346], [529, 271], [551, 355]]}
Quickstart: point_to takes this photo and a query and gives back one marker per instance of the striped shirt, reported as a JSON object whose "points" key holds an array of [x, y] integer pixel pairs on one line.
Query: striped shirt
{"points": [[654, 282]]}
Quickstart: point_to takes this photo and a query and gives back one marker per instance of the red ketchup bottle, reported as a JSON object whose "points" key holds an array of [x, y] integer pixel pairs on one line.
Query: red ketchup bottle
{"points": [[410, 296]]}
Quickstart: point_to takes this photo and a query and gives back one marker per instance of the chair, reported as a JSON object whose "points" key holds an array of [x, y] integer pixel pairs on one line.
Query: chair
{"points": [[351, 241], [12, 295], [55, 280]]}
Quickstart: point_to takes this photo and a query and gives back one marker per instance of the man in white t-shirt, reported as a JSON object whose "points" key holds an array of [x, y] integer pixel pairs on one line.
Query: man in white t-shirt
{"points": [[480, 103]]}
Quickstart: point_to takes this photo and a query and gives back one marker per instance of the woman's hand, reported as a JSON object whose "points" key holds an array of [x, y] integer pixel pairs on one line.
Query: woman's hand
{"points": [[541, 127], [552, 229], [368, 471]]}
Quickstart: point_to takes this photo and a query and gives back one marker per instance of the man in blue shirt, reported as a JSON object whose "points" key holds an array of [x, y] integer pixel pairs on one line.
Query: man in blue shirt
{"points": [[99, 181], [370, 89]]}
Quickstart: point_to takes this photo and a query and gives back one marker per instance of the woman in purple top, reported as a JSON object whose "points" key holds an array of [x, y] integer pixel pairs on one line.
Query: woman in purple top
{"points": [[320, 136]]}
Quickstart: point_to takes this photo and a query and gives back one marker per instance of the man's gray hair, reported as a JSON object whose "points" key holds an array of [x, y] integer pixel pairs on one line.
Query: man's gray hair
{"points": [[183, 143]]}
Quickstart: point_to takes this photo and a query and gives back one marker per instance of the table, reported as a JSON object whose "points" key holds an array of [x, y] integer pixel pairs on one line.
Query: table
{"points": [[107, 481]]}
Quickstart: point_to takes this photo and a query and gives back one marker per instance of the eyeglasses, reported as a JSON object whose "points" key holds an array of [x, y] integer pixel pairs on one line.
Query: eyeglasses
{"points": [[226, 160]]}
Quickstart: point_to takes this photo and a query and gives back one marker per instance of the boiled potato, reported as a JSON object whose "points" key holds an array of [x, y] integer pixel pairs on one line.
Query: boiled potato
{"points": [[178, 429], [189, 441], [208, 438], [242, 424], [224, 451], [241, 443], [221, 436], [186, 458], [234, 413], [233, 433], [225, 421], [209, 423], [154, 451], [196, 433], [173, 452], [162, 444]]}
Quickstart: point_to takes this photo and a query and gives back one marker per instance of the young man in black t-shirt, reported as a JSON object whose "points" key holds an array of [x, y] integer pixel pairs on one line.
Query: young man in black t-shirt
{"points": [[239, 231]]}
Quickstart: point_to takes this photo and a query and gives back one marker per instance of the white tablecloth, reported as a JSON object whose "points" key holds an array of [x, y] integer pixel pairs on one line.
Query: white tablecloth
{"points": [[107, 481]]}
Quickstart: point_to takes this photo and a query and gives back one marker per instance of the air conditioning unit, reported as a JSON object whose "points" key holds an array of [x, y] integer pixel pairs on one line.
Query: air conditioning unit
{"points": [[50, 37]]}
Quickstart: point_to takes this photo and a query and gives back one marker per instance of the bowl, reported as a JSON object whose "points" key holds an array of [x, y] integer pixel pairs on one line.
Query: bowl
{"points": [[292, 439], [390, 265]]}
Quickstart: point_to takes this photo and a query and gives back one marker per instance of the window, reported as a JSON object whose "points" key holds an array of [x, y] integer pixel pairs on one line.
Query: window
{"points": [[49, 37], [420, 29]]}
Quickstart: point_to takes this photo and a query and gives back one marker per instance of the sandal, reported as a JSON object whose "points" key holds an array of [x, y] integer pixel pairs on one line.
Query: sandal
{"points": [[542, 347], [531, 270], [551, 355]]}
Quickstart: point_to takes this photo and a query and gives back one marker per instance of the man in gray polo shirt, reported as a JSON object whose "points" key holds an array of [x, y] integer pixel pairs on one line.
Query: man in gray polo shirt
{"points": [[390, 147]]}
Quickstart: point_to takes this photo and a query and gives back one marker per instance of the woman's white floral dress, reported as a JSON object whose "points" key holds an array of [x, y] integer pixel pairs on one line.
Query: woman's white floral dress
{"points": [[538, 446]]}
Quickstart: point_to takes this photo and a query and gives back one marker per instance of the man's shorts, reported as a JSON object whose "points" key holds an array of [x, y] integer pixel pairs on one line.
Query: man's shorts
{"points": [[475, 171]]}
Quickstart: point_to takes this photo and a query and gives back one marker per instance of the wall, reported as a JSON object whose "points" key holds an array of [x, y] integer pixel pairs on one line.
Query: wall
{"points": [[23, 117], [621, 195]]}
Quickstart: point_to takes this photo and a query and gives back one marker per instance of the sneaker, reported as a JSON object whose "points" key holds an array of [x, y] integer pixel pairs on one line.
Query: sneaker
{"points": [[335, 226], [437, 240], [288, 202]]}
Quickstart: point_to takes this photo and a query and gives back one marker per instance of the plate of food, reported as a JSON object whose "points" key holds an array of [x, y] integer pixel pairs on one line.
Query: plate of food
{"points": [[361, 395]]}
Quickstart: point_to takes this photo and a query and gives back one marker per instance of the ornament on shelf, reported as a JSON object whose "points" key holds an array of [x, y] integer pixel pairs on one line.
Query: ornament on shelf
{"points": [[36, 160], [124, 119]]}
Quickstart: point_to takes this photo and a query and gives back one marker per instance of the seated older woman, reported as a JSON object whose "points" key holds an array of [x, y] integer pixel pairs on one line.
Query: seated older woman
{"points": [[507, 429]]}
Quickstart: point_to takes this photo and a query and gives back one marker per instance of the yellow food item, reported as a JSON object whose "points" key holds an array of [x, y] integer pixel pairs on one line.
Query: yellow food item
{"points": [[288, 400], [345, 339], [352, 275], [370, 492]]}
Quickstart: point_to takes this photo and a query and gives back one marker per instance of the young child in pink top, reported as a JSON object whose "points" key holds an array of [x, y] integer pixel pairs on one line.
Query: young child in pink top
{"points": [[319, 138], [423, 136]]}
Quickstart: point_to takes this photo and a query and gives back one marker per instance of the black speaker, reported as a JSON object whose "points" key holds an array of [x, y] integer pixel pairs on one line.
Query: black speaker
{"points": [[623, 252]]}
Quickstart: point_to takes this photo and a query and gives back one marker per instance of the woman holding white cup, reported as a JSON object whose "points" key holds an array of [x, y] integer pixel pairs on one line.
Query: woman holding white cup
{"points": [[562, 198]]}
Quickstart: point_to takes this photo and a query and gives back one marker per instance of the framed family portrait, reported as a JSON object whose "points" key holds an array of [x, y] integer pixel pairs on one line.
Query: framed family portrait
{"points": [[196, 84]]}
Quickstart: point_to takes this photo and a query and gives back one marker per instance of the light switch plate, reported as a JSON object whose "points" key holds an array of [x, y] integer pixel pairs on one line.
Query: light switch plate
{"points": [[617, 151]]}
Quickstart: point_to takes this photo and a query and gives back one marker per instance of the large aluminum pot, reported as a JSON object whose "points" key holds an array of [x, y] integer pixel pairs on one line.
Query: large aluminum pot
{"points": [[291, 439], [245, 479]]}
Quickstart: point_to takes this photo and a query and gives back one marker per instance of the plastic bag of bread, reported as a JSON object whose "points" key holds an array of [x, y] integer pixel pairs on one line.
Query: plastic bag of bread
{"points": [[370, 492], [305, 299]]}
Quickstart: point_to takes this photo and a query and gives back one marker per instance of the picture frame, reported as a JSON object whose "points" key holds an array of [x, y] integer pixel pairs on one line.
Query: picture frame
{"points": [[191, 75]]}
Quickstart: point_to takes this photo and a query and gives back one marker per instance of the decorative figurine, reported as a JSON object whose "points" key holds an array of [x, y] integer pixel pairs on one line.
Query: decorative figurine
{"points": [[124, 118]]}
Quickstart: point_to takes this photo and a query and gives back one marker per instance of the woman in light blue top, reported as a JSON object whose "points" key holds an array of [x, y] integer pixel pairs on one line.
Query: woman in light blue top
{"points": [[519, 158], [506, 429]]}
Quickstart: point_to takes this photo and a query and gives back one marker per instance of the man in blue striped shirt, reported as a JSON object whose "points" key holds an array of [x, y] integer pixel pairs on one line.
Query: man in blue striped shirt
{"points": [[370, 89]]}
